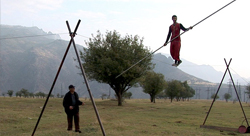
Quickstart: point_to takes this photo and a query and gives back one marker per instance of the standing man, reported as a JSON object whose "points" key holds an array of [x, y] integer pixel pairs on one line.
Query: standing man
{"points": [[175, 46], [71, 105]]}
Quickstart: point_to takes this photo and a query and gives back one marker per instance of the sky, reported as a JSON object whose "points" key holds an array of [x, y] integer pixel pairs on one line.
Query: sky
{"points": [[223, 35]]}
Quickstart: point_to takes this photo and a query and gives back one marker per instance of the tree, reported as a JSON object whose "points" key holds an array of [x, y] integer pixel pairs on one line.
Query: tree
{"points": [[31, 95], [174, 89], [10, 93], [213, 95], [3, 94], [227, 96], [187, 92], [161, 95], [58, 95], [18, 93], [24, 92], [108, 56], [103, 96], [127, 95], [37, 95], [153, 84], [40, 94]]}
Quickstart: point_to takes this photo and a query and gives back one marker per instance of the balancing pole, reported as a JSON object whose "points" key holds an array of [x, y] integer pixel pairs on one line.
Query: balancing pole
{"points": [[72, 35], [173, 39], [57, 74]]}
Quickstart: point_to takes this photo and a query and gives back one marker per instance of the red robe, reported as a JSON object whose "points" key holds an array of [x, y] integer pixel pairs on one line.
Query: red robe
{"points": [[176, 43]]}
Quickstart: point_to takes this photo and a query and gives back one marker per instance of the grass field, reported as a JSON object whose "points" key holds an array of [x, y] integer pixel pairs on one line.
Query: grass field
{"points": [[18, 117]]}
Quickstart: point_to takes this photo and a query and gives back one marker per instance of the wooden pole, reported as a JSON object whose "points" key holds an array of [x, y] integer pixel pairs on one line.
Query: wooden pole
{"points": [[86, 80]]}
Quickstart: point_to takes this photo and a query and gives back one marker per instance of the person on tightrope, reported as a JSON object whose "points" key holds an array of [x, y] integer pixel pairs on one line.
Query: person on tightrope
{"points": [[175, 46], [71, 104]]}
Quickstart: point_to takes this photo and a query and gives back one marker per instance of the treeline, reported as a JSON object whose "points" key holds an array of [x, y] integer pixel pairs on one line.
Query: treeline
{"points": [[180, 91], [26, 94], [156, 86]]}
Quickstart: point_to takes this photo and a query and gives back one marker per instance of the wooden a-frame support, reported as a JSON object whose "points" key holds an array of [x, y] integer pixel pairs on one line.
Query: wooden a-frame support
{"points": [[72, 35], [224, 128]]}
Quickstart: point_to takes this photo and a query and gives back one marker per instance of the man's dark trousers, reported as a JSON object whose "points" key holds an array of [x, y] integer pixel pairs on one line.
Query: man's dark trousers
{"points": [[70, 120]]}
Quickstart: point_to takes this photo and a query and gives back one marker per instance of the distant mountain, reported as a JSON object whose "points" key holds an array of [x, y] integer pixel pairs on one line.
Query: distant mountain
{"points": [[30, 60], [207, 72], [164, 66]]}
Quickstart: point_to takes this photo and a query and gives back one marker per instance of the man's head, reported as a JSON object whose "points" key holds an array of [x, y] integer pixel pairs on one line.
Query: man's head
{"points": [[72, 88], [174, 18]]}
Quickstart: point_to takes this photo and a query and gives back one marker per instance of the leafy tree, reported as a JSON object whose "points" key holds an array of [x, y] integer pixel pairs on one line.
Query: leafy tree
{"points": [[174, 89], [43, 95], [37, 95], [161, 95], [153, 84], [109, 55], [40, 94], [187, 92], [10, 93], [3, 94], [58, 95], [227, 96], [24, 92], [103, 96], [127, 95], [213, 95], [18, 93], [31, 95]]}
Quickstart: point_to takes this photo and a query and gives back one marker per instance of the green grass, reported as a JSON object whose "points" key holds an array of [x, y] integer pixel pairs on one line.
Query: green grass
{"points": [[18, 117]]}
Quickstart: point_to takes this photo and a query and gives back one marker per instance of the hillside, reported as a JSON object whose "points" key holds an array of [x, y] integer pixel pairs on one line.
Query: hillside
{"points": [[201, 71], [164, 66], [32, 63]]}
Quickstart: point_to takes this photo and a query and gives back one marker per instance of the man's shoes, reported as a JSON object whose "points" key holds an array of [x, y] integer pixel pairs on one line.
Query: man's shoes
{"points": [[78, 131], [69, 129], [175, 65], [179, 62]]}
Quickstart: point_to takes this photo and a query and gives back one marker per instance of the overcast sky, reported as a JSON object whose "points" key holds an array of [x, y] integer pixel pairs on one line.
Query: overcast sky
{"points": [[224, 35]]}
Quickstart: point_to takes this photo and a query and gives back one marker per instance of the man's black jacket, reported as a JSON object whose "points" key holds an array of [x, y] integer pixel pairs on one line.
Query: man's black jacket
{"points": [[67, 101]]}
